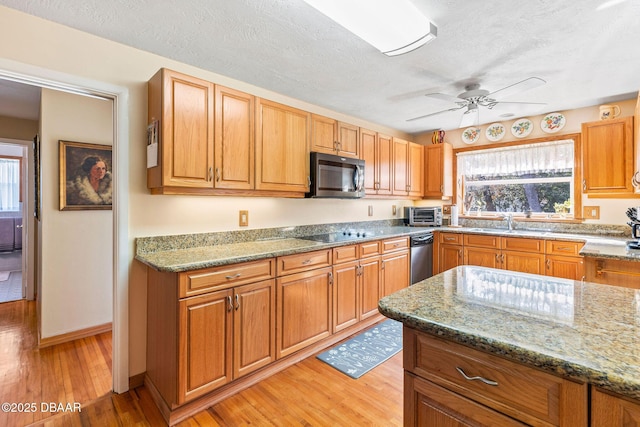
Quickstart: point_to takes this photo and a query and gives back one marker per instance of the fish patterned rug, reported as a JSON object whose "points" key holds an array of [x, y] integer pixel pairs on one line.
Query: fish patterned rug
{"points": [[367, 350]]}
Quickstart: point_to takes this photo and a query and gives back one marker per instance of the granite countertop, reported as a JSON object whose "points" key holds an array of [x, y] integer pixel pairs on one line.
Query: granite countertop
{"points": [[585, 331], [185, 256]]}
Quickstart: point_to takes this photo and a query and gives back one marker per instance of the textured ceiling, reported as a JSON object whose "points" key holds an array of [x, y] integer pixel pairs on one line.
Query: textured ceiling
{"points": [[587, 51]]}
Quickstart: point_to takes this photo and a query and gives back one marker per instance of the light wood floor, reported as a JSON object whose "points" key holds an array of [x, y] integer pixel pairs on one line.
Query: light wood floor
{"points": [[310, 393]]}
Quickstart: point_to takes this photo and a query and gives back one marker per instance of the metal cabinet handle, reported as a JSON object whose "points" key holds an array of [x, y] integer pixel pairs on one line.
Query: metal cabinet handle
{"points": [[498, 258], [306, 261], [330, 278], [237, 302], [584, 184], [234, 276], [218, 174], [468, 378], [19, 226], [460, 253], [548, 264], [229, 304], [210, 173], [564, 249]]}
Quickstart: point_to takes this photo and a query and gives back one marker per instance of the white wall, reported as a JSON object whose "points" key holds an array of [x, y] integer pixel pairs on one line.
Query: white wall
{"points": [[77, 246]]}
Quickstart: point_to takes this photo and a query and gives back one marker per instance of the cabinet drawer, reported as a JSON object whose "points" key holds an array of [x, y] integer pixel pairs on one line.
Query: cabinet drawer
{"points": [[345, 253], [391, 245], [482, 240], [369, 249], [451, 238], [200, 281], [304, 261], [560, 247], [522, 244], [524, 393]]}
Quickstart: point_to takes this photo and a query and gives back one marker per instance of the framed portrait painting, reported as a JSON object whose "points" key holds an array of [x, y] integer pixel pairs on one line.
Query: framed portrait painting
{"points": [[86, 180]]}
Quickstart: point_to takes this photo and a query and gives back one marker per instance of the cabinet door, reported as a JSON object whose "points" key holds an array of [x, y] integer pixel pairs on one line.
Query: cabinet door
{"points": [[254, 324], [304, 309], [282, 148], [613, 411], [566, 267], [482, 257], [449, 256], [184, 107], [370, 286], [614, 272], [400, 167], [427, 404], [523, 262], [607, 156], [385, 164], [204, 343], [323, 134], [368, 153], [234, 139], [395, 272], [416, 170], [348, 140], [438, 168], [346, 307]]}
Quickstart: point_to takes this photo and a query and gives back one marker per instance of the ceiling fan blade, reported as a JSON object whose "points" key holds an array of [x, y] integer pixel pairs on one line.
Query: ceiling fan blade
{"points": [[433, 114], [470, 118], [445, 97], [526, 84]]}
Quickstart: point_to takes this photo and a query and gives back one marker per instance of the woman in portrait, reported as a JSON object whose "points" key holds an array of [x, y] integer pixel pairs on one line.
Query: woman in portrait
{"points": [[92, 185]]}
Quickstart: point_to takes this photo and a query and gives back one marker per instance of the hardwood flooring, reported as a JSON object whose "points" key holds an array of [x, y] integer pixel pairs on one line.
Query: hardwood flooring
{"points": [[310, 393]]}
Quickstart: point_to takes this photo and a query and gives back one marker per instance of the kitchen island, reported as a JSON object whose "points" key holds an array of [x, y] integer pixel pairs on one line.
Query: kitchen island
{"points": [[509, 346]]}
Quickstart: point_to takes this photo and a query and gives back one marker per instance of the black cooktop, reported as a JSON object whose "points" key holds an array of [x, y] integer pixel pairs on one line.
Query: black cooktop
{"points": [[340, 236]]}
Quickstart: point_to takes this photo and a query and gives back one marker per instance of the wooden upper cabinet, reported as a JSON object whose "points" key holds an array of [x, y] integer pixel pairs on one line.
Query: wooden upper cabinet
{"points": [[375, 150], [183, 105], [234, 139], [416, 170], [636, 138], [333, 137], [282, 147], [438, 164], [400, 167], [607, 157]]}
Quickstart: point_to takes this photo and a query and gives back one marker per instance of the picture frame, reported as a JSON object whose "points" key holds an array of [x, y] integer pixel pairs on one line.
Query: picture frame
{"points": [[86, 179]]}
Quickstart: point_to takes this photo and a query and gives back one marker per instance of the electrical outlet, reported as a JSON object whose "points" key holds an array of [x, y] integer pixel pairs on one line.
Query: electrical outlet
{"points": [[591, 212], [370, 210], [244, 218]]}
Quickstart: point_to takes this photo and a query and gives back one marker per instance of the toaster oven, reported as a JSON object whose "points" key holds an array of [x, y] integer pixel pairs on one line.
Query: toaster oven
{"points": [[423, 216]]}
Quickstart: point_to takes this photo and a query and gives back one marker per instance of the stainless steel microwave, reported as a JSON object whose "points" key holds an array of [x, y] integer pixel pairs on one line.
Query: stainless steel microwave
{"points": [[334, 176], [423, 216]]}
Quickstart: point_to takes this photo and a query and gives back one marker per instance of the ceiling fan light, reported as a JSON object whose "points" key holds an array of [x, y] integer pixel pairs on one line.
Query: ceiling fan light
{"points": [[393, 27]]}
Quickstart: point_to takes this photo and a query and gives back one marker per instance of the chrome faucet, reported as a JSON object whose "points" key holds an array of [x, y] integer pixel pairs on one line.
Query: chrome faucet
{"points": [[510, 223]]}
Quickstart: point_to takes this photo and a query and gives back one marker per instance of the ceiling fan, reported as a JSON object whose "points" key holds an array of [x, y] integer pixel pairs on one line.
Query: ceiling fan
{"points": [[473, 98]]}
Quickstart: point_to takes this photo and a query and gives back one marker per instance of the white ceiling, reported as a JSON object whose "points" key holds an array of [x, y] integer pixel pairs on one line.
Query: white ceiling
{"points": [[587, 51]]}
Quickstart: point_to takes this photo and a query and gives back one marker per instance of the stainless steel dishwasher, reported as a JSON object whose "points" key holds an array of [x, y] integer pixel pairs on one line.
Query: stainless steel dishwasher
{"points": [[421, 256]]}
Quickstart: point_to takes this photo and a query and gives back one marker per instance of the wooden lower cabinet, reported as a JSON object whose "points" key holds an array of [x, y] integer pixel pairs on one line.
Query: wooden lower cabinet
{"points": [[223, 336], [613, 272], [371, 286], [346, 295], [566, 267], [523, 262], [304, 309], [613, 411], [395, 272], [437, 393]]}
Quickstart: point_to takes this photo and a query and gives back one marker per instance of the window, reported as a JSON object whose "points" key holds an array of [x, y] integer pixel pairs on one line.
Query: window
{"points": [[536, 179], [9, 184]]}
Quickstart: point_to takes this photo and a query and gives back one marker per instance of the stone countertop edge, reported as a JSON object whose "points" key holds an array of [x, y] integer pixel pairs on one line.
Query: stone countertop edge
{"points": [[563, 364], [180, 260]]}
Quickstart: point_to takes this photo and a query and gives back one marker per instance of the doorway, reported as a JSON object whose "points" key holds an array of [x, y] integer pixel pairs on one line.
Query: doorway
{"points": [[16, 278]]}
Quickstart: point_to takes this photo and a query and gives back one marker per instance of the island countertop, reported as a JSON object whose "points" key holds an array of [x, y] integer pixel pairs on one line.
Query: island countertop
{"points": [[584, 331]]}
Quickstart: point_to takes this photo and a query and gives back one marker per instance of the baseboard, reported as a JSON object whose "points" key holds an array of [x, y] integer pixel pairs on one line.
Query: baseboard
{"points": [[136, 381], [75, 335]]}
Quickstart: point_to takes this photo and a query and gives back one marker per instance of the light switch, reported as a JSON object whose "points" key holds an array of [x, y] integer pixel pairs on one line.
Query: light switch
{"points": [[370, 210], [394, 210], [244, 218]]}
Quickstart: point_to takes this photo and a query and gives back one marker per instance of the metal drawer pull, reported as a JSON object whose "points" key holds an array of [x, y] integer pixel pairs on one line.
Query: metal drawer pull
{"points": [[307, 261], [235, 276], [484, 380]]}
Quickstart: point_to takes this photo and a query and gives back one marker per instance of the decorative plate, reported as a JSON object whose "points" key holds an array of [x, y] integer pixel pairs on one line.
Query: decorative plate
{"points": [[495, 132], [522, 128], [470, 135], [552, 122]]}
